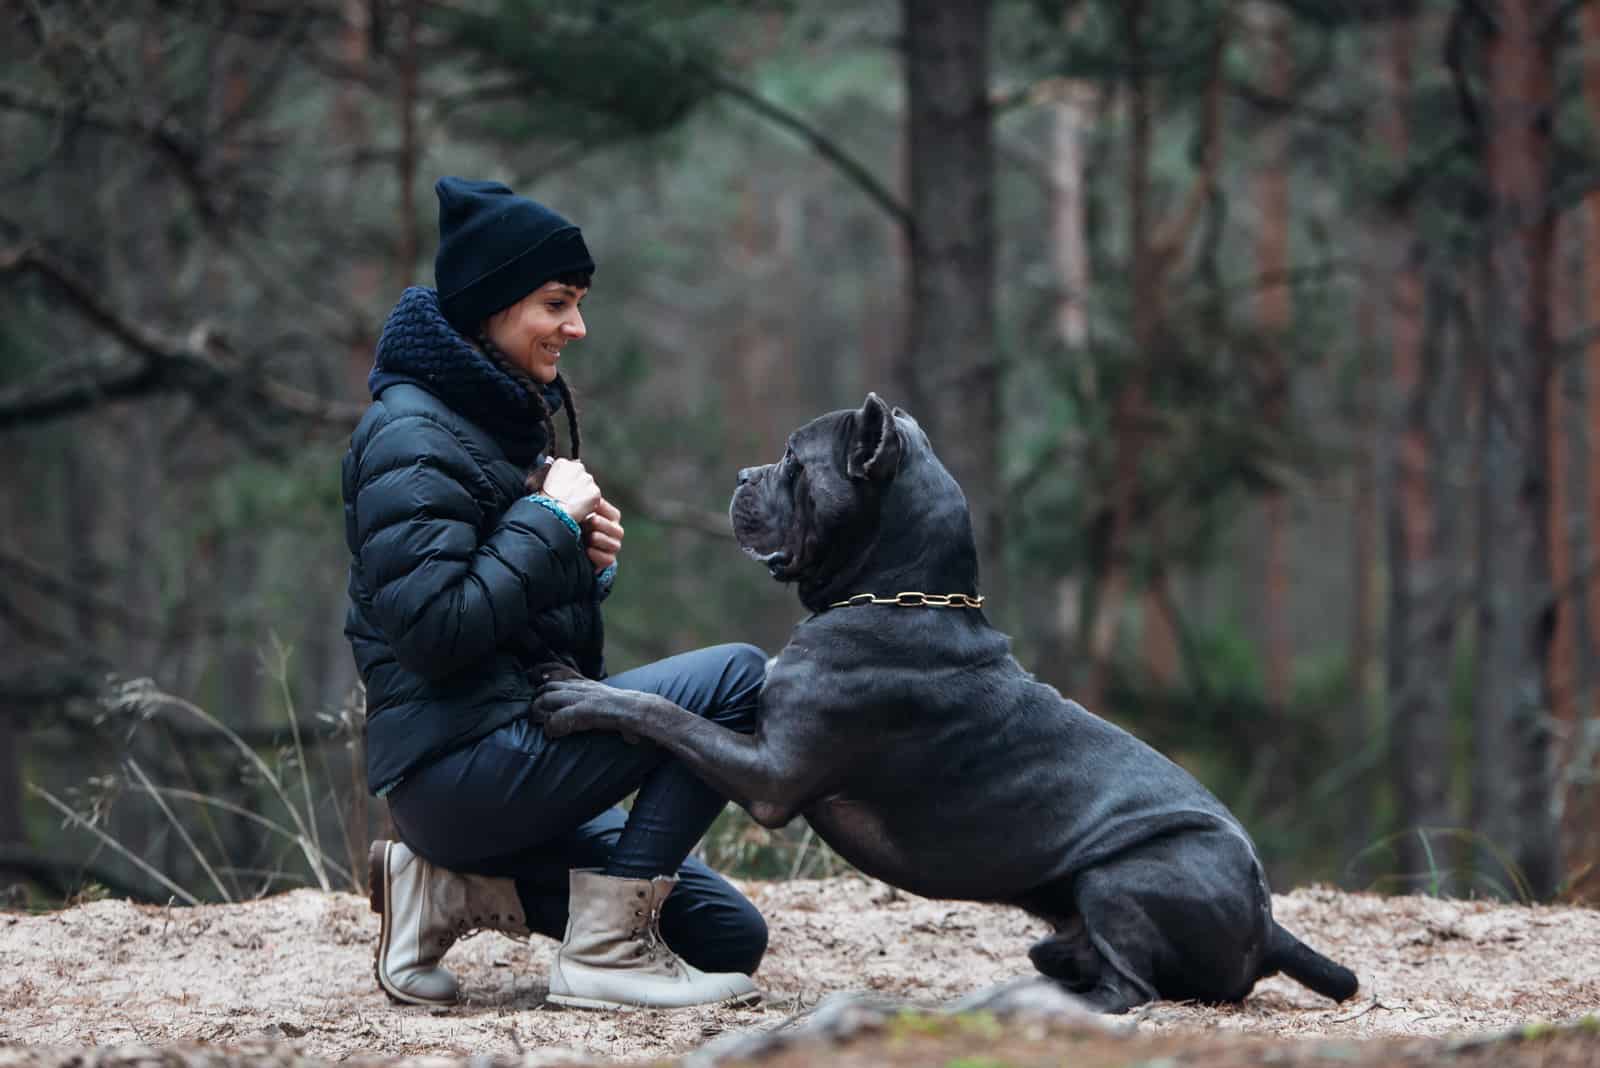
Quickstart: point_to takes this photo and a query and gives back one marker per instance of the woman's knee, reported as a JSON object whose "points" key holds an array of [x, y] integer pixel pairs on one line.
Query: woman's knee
{"points": [[743, 674], [735, 942], [711, 925]]}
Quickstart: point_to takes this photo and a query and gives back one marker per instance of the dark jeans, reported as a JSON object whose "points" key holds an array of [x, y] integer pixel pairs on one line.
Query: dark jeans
{"points": [[518, 804]]}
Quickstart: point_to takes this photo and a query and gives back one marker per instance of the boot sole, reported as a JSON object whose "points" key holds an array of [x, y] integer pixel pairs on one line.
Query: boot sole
{"points": [[377, 893], [571, 1002]]}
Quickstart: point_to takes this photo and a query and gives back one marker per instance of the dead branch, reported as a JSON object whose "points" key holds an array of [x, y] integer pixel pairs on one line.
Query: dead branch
{"points": [[203, 364], [1169, 243], [17, 569]]}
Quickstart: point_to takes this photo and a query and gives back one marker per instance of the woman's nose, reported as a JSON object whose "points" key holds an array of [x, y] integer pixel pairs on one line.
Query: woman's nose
{"points": [[574, 326]]}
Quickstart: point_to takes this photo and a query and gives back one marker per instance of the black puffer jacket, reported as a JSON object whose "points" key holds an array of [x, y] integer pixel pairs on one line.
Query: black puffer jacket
{"points": [[460, 583]]}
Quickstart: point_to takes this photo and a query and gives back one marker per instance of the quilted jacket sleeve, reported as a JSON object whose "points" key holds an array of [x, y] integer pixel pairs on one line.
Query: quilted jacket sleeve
{"points": [[442, 597]]}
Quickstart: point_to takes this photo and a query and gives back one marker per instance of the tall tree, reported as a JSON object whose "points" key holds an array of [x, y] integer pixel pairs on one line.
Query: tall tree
{"points": [[1420, 620], [1156, 247], [1275, 315], [949, 364], [1513, 780], [1581, 843], [1071, 109]]}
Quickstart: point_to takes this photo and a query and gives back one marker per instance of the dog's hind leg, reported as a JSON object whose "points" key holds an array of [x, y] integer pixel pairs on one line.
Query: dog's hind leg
{"points": [[1115, 994], [1071, 959], [1183, 916], [1089, 968], [1068, 956]]}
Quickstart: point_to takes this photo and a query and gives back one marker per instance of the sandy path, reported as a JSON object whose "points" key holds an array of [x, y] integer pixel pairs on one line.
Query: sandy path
{"points": [[298, 967]]}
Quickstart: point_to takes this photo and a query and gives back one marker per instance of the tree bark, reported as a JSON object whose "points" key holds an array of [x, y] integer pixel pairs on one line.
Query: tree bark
{"points": [[1357, 727], [410, 242], [1275, 315], [1516, 617], [1071, 113], [1565, 675], [1153, 255], [949, 362], [1420, 623], [1581, 808], [1127, 415]]}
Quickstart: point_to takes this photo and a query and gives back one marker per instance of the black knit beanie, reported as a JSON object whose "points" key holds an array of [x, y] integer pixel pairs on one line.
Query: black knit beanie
{"points": [[495, 248]]}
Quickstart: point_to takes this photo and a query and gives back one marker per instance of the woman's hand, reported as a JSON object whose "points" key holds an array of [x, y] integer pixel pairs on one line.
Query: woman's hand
{"points": [[603, 534], [569, 483]]}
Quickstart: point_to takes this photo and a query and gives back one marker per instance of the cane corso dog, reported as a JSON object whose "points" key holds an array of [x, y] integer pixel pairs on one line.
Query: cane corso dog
{"points": [[922, 752]]}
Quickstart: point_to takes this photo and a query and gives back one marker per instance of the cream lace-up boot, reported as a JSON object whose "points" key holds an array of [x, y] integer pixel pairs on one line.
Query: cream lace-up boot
{"points": [[425, 909], [613, 956]]}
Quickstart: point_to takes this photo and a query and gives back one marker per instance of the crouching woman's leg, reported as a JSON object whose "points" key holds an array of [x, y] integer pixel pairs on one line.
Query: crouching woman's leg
{"points": [[710, 924], [648, 893], [704, 920]]}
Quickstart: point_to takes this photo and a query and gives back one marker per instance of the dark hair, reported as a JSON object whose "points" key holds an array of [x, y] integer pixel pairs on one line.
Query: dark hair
{"points": [[534, 480], [575, 279]]}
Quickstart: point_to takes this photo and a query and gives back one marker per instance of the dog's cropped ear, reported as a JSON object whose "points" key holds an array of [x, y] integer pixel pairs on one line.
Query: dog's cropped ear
{"points": [[874, 443]]}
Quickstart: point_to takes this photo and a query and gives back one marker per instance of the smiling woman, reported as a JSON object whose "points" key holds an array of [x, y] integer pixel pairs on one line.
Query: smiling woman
{"points": [[478, 563], [533, 331]]}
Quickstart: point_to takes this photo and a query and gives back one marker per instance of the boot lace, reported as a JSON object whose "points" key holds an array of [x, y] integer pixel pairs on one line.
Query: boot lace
{"points": [[647, 935], [464, 928]]}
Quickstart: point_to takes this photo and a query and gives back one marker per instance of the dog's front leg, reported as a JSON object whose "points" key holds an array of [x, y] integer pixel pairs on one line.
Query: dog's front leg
{"points": [[768, 773]]}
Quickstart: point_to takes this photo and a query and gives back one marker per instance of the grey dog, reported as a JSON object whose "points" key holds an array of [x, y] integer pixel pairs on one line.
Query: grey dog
{"points": [[925, 755]]}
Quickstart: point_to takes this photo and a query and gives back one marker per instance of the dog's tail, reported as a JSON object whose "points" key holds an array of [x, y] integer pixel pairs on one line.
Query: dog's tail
{"points": [[1292, 957]]}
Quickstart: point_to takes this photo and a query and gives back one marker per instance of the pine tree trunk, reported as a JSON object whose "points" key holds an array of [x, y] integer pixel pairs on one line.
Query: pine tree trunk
{"points": [[1276, 322], [1420, 627], [410, 239], [1127, 415], [1563, 674], [949, 359], [1516, 613], [1357, 727], [1581, 824], [1070, 116]]}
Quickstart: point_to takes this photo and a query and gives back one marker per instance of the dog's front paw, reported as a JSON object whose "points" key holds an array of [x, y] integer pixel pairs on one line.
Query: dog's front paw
{"points": [[559, 724], [568, 706]]}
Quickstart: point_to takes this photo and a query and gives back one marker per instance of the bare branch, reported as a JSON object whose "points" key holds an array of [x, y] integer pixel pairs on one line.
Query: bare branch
{"points": [[164, 137], [203, 364], [1174, 236], [823, 145]]}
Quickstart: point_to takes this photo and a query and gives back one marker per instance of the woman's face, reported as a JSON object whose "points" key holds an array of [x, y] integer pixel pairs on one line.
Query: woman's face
{"points": [[532, 332]]}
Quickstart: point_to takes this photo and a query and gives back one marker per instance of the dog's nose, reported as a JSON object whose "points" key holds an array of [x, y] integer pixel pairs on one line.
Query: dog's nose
{"points": [[745, 474]]}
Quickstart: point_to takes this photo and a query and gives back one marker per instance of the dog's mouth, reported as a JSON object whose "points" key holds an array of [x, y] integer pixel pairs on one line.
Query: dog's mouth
{"points": [[776, 561]]}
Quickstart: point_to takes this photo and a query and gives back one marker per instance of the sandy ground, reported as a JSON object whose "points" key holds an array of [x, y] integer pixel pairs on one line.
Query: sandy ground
{"points": [[296, 969]]}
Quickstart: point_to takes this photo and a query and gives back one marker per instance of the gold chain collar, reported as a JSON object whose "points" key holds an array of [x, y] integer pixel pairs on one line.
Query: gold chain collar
{"points": [[912, 599]]}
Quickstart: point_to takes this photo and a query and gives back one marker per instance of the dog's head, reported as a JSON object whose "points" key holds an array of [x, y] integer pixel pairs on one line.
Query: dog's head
{"points": [[857, 500]]}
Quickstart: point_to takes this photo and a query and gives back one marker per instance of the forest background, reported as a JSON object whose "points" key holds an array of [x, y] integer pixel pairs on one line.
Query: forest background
{"points": [[1261, 334]]}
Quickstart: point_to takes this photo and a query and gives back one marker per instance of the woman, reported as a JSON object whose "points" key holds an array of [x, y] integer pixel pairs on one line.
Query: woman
{"points": [[465, 589]]}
